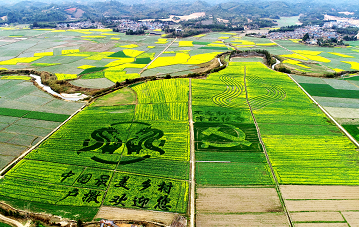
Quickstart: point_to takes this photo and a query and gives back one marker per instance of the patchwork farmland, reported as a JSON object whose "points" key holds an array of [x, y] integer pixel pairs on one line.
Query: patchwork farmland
{"points": [[262, 152]]}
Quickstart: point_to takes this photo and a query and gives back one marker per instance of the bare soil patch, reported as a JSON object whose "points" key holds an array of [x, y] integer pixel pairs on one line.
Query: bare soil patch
{"points": [[352, 218], [114, 213], [319, 192], [237, 200], [269, 219], [206, 66], [124, 96], [338, 112], [316, 216], [322, 205], [321, 225], [99, 47]]}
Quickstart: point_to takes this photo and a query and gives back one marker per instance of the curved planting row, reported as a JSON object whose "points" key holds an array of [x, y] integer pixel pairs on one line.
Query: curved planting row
{"points": [[234, 89], [274, 93]]}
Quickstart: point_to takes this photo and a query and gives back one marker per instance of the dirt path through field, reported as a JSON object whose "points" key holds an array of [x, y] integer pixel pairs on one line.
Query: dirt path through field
{"points": [[266, 154], [157, 56], [192, 159], [13, 222]]}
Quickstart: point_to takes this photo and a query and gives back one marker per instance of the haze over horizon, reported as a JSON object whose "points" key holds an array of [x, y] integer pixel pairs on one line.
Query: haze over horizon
{"points": [[212, 2]]}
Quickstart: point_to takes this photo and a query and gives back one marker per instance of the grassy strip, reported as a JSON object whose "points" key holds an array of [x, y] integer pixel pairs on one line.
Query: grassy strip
{"points": [[71, 212], [33, 115], [353, 130], [200, 43], [324, 90], [142, 60], [214, 48], [119, 54], [91, 70], [4, 225], [46, 116]]}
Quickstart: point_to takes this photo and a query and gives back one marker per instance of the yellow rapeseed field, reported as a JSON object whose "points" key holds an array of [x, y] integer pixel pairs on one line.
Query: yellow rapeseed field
{"points": [[341, 55], [317, 58], [294, 62], [86, 66], [94, 36], [180, 58], [43, 54], [61, 76], [129, 46], [120, 61], [201, 58], [243, 42], [125, 66], [296, 56], [14, 61], [15, 78], [132, 53], [161, 41], [119, 76], [185, 43], [355, 65], [266, 44], [228, 33], [70, 51]]}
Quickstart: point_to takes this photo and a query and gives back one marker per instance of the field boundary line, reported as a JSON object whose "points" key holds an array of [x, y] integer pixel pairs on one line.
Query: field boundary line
{"points": [[327, 113], [11, 164], [266, 154], [192, 159], [157, 56]]}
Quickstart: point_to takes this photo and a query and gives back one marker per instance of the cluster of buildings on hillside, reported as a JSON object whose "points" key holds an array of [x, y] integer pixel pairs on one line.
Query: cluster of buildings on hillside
{"points": [[339, 24], [125, 25], [81, 25], [314, 32]]}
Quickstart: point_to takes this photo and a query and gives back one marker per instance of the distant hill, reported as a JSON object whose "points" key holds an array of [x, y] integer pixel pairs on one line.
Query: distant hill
{"points": [[47, 11]]}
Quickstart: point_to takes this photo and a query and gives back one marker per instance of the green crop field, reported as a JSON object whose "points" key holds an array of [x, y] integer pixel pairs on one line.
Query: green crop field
{"points": [[109, 147], [27, 115], [131, 148], [226, 139], [290, 146], [4, 225]]}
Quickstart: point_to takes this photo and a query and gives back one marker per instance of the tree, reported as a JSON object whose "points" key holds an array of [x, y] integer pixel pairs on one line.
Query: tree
{"points": [[305, 37]]}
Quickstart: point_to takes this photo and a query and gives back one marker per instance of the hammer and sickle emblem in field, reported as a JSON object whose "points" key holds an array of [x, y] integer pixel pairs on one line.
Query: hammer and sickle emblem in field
{"points": [[234, 140]]}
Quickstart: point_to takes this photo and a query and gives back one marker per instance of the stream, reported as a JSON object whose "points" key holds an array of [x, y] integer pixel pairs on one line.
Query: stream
{"points": [[67, 97], [277, 62]]}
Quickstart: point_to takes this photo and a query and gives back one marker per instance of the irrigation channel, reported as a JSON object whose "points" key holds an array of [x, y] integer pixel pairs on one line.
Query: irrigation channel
{"points": [[266, 154]]}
